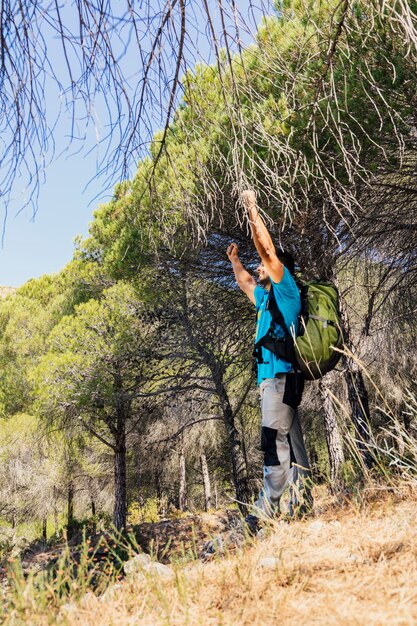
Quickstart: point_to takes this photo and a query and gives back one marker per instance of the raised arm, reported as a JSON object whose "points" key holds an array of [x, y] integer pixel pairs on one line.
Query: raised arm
{"points": [[262, 238], [245, 281]]}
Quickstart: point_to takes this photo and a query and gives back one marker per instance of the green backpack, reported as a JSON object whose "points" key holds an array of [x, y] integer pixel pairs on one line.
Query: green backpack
{"points": [[319, 331]]}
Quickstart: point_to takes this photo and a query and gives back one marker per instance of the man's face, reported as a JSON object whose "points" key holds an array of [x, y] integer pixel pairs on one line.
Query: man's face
{"points": [[262, 274]]}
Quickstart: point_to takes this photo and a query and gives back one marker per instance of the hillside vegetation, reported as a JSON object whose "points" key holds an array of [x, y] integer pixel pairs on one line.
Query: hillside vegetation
{"points": [[6, 291], [127, 390]]}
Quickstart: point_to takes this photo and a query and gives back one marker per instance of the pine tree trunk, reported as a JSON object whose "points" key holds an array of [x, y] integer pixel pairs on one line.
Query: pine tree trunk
{"points": [[206, 482], [70, 510], [333, 438], [359, 405], [239, 468], [358, 397], [56, 524], [93, 514], [137, 470], [120, 490], [240, 474], [182, 494], [119, 517]]}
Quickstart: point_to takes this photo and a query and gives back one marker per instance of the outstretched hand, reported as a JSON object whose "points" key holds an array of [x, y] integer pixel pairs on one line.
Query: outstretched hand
{"points": [[232, 252], [248, 198]]}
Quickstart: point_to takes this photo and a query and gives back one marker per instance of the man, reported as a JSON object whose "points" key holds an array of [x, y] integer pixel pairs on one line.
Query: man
{"points": [[285, 457]]}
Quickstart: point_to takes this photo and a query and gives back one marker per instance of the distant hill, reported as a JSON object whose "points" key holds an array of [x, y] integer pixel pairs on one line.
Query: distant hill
{"points": [[6, 291]]}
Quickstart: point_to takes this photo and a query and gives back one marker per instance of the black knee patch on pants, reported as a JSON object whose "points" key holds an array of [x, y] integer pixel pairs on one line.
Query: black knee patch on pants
{"points": [[269, 446]]}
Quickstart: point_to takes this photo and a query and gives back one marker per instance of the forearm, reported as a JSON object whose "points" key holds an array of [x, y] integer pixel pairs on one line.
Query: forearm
{"points": [[262, 238], [242, 276], [245, 281], [260, 235]]}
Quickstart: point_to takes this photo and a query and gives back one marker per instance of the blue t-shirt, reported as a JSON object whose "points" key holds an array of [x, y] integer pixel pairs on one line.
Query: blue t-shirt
{"points": [[287, 297]]}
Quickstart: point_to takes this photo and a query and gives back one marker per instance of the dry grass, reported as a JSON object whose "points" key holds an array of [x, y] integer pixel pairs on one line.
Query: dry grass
{"points": [[349, 566]]}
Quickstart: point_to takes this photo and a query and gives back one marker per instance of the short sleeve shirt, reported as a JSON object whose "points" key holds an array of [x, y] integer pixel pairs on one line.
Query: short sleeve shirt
{"points": [[287, 297]]}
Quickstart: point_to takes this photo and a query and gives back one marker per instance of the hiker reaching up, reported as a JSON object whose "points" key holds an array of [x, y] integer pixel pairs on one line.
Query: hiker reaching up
{"points": [[280, 385]]}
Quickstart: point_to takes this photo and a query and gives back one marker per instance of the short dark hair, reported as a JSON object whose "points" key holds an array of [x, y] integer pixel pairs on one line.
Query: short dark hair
{"points": [[286, 259]]}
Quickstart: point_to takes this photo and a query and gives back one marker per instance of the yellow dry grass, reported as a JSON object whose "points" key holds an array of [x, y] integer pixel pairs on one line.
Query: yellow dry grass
{"points": [[348, 566]]}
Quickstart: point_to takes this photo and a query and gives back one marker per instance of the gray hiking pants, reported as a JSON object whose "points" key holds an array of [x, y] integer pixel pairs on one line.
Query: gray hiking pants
{"points": [[282, 442]]}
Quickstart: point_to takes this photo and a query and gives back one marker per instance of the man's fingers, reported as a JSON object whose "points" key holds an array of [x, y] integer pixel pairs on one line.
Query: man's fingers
{"points": [[248, 198], [232, 249]]}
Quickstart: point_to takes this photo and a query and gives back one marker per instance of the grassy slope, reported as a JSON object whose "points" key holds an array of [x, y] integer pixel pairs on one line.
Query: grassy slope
{"points": [[346, 566]]}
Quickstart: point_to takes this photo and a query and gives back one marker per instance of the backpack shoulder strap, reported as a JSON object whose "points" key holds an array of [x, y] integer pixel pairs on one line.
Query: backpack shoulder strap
{"points": [[276, 313], [283, 348]]}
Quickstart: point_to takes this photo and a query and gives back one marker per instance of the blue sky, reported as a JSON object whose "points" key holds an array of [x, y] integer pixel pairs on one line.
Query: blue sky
{"points": [[43, 244]]}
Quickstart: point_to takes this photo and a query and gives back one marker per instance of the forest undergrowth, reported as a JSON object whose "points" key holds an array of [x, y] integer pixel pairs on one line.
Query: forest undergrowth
{"points": [[354, 560]]}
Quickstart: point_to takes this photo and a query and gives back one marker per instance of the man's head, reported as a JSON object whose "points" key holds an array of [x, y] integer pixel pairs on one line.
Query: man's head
{"points": [[263, 276], [286, 259]]}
